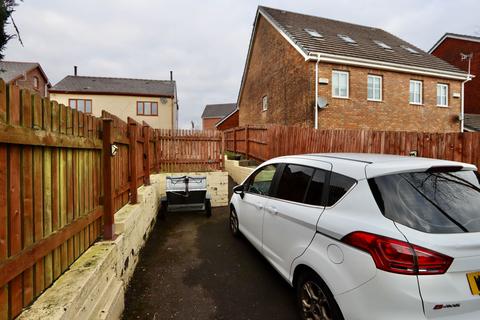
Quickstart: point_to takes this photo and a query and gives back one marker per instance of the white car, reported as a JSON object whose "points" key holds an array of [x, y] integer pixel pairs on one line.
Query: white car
{"points": [[364, 236]]}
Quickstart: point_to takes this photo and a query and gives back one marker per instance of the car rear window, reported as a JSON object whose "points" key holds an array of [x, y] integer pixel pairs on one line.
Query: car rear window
{"points": [[339, 185], [433, 202]]}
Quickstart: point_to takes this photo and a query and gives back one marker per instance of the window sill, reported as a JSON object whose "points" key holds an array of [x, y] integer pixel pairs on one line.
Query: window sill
{"points": [[147, 115], [416, 104], [440, 106], [372, 100], [343, 98]]}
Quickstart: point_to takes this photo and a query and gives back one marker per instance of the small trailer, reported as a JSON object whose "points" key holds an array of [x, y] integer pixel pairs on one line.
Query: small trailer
{"points": [[186, 193]]}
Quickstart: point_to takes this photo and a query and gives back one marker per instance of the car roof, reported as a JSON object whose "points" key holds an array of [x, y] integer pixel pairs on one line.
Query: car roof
{"points": [[369, 165]]}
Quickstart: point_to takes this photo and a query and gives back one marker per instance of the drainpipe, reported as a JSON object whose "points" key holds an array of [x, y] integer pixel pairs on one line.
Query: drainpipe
{"points": [[462, 110], [316, 91]]}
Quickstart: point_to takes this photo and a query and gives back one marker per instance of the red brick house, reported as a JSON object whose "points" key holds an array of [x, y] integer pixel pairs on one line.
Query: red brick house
{"points": [[358, 76], [27, 75], [214, 113], [451, 47]]}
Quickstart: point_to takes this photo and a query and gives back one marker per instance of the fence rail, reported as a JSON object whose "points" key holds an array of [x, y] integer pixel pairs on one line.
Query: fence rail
{"points": [[61, 182], [263, 143]]}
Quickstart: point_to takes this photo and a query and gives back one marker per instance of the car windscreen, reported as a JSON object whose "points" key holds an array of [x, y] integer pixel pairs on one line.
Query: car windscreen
{"points": [[433, 202]]}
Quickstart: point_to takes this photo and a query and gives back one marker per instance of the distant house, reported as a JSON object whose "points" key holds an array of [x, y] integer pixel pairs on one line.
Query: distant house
{"points": [[152, 101], [450, 48], [353, 76], [26, 75], [214, 113]]}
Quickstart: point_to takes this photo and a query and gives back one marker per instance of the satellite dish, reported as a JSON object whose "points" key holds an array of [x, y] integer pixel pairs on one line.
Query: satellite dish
{"points": [[322, 102]]}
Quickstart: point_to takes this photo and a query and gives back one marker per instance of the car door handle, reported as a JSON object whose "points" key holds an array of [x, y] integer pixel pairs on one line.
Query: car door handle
{"points": [[272, 210]]}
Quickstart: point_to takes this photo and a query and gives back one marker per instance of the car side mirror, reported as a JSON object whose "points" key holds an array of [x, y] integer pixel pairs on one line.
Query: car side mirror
{"points": [[239, 190]]}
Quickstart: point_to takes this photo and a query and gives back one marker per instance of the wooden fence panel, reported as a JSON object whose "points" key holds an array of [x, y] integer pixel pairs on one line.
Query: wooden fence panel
{"points": [[189, 150], [36, 144], [263, 143]]}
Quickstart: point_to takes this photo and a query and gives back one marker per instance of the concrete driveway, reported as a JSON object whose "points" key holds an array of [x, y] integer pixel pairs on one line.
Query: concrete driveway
{"points": [[192, 268]]}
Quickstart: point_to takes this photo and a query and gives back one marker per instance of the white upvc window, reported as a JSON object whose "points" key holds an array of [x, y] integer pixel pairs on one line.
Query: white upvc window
{"points": [[340, 84], [374, 88], [442, 95], [416, 94], [265, 103]]}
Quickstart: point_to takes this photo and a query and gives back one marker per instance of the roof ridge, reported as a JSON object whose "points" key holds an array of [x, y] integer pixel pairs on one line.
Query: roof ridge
{"points": [[118, 78], [23, 62], [320, 17]]}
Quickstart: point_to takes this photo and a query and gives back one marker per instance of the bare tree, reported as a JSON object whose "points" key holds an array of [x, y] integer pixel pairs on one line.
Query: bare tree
{"points": [[7, 7]]}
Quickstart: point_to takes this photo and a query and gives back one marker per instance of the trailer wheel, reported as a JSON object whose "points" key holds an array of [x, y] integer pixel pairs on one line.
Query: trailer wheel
{"points": [[208, 208]]}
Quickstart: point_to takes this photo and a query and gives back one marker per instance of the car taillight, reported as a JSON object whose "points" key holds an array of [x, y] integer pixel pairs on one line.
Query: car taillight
{"points": [[399, 256]]}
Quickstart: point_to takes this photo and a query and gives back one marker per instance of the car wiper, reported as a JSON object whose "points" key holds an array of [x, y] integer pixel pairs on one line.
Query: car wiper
{"points": [[458, 224]]}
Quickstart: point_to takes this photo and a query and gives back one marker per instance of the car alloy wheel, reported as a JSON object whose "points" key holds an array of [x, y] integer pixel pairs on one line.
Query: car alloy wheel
{"points": [[314, 302], [234, 222]]}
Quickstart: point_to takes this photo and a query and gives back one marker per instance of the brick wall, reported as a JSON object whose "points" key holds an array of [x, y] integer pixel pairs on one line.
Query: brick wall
{"points": [[230, 122], [449, 50], [394, 112], [278, 71], [209, 123], [28, 82]]}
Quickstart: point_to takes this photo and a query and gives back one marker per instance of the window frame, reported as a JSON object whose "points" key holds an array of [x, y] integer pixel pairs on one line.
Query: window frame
{"points": [[264, 103], [85, 104], [374, 76], [341, 72], [410, 92], [447, 93], [142, 102], [36, 82]]}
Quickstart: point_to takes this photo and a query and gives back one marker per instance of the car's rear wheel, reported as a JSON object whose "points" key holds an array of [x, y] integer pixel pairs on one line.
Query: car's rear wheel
{"points": [[314, 300], [234, 222]]}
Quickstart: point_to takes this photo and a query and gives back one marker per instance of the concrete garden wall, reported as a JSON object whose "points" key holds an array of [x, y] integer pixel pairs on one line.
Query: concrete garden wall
{"points": [[236, 171], [93, 287]]}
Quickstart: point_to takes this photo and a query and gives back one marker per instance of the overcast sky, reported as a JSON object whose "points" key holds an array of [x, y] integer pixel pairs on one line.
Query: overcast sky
{"points": [[204, 42]]}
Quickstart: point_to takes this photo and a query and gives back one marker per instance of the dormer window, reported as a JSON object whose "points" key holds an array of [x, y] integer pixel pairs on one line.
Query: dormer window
{"points": [[313, 33], [411, 50], [382, 45], [347, 39]]}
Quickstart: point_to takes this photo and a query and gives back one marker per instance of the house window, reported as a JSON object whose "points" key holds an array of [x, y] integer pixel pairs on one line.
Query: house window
{"points": [[340, 84], [314, 33], [442, 95], [147, 108], [416, 92], [374, 88], [35, 82], [83, 105], [265, 103]]}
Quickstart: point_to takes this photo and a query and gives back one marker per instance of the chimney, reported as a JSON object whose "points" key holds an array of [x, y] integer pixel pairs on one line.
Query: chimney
{"points": [[171, 75], [75, 70]]}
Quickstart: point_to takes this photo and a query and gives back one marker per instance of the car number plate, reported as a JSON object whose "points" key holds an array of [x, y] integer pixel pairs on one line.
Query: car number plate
{"points": [[474, 282]]}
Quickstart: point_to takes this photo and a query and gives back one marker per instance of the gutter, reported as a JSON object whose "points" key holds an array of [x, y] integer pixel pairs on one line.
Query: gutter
{"points": [[387, 66]]}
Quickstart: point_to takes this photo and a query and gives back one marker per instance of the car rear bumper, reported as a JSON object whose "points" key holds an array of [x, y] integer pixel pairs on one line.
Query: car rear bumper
{"points": [[386, 296]]}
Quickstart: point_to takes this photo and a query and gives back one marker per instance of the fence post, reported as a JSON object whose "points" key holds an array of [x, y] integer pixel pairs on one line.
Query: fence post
{"points": [[146, 155], [132, 135], [222, 151], [235, 140], [108, 210], [247, 142]]}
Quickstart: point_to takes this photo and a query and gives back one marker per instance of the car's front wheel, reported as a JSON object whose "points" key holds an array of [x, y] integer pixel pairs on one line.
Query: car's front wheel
{"points": [[234, 222], [314, 300]]}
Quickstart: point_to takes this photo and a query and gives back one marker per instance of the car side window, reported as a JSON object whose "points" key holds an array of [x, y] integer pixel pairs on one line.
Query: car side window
{"points": [[261, 181], [316, 189], [339, 185], [294, 182]]}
